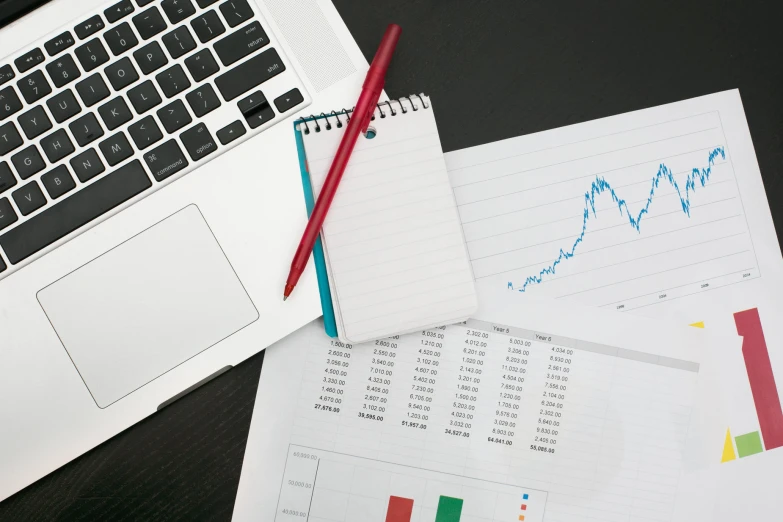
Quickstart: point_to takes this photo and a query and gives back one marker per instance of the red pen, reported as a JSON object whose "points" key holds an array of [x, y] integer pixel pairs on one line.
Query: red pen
{"points": [[358, 124]]}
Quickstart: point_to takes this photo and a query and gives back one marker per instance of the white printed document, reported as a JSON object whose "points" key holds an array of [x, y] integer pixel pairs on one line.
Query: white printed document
{"points": [[659, 212], [530, 412]]}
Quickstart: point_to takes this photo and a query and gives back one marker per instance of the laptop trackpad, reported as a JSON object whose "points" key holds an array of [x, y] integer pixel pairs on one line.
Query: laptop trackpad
{"points": [[146, 306]]}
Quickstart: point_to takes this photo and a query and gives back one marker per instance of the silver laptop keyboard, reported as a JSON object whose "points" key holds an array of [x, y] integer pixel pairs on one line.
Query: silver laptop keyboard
{"points": [[127, 100]]}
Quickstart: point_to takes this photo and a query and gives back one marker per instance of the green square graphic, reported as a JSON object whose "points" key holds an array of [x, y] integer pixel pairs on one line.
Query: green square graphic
{"points": [[449, 509], [749, 444]]}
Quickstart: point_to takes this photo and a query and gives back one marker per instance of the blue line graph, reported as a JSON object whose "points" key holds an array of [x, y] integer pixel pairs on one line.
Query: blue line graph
{"points": [[600, 186]]}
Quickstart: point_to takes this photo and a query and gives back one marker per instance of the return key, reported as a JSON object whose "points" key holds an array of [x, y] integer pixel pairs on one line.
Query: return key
{"points": [[241, 43]]}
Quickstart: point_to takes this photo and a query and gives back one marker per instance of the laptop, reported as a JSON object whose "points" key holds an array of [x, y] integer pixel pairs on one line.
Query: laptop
{"points": [[150, 203]]}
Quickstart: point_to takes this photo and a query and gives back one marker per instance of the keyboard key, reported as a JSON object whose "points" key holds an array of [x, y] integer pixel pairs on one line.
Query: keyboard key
{"points": [[63, 106], [63, 70], [6, 74], [92, 54], [252, 103], [256, 109], [145, 132], [57, 145], [166, 160], [29, 60], [29, 198], [7, 178], [201, 65], [177, 10], [86, 129], [28, 162], [231, 132], [236, 11], [87, 165], [92, 90], [173, 81], [121, 74], [116, 149], [259, 115], [149, 23], [237, 45], [289, 100], [142, 3], [9, 138], [203, 100], [205, 3], [114, 113], [89, 27], [150, 58], [59, 43], [174, 116], [179, 42], [75, 211], [120, 38], [9, 102], [144, 97], [118, 10], [34, 122], [7, 214], [58, 181], [208, 26], [34, 87], [198, 142], [249, 74]]}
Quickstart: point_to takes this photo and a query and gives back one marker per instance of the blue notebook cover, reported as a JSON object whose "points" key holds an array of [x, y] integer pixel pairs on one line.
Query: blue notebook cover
{"points": [[318, 252]]}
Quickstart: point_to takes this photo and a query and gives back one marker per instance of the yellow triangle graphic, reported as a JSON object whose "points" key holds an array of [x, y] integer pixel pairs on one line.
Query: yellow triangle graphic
{"points": [[728, 448], [700, 324]]}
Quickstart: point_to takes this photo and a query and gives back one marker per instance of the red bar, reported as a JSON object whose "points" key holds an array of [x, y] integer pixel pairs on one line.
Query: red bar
{"points": [[762, 380], [400, 509]]}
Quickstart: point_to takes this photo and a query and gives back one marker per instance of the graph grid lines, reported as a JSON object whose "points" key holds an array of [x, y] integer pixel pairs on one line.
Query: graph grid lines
{"points": [[600, 186]]}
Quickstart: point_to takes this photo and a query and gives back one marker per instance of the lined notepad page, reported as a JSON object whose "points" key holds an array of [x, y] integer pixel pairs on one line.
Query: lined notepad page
{"points": [[393, 242]]}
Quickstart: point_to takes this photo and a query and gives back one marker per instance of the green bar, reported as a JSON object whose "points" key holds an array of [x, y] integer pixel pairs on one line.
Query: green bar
{"points": [[449, 509], [749, 444]]}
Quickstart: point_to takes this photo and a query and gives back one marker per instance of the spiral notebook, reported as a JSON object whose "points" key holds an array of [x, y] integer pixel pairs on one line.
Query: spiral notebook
{"points": [[392, 257]]}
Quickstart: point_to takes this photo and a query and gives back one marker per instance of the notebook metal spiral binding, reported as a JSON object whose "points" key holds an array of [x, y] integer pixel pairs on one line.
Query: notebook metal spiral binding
{"points": [[383, 109]]}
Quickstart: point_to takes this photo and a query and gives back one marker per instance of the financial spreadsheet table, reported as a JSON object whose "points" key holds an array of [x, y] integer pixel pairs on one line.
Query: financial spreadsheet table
{"points": [[510, 424]]}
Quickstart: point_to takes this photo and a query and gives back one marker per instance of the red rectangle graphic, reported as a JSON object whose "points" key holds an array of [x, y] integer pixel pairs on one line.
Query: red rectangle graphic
{"points": [[400, 509], [761, 377]]}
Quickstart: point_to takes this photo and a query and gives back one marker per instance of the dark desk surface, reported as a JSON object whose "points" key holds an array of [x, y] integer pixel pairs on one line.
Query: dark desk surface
{"points": [[495, 69]]}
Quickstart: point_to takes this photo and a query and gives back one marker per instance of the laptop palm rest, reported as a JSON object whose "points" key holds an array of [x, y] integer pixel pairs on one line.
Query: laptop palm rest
{"points": [[146, 306]]}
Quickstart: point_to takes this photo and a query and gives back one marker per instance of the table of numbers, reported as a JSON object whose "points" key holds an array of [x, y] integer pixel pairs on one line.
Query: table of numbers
{"points": [[589, 424]]}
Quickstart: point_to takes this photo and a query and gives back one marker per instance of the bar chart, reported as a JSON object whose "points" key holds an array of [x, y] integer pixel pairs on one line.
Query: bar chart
{"points": [[763, 388], [326, 486]]}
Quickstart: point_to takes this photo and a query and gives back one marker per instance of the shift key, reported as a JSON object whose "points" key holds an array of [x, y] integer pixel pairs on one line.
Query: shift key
{"points": [[250, 74], [241, 43]]}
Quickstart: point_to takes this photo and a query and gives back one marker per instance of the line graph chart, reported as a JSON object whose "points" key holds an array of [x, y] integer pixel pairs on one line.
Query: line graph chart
{"points": [[601, 186], [610, 213]]}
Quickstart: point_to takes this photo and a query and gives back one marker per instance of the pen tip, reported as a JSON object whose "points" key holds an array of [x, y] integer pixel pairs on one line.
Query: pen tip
{"points": [[285, 297], [287, 291]]}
